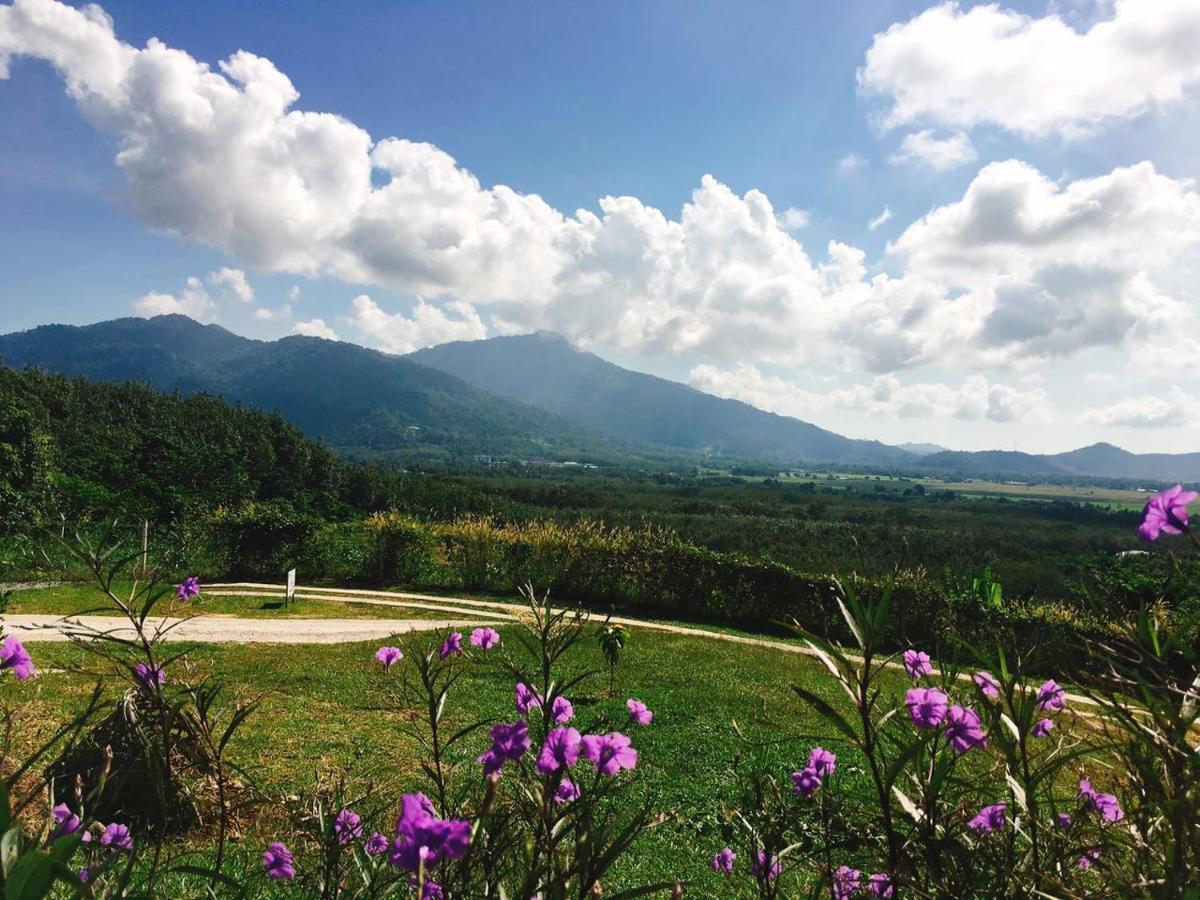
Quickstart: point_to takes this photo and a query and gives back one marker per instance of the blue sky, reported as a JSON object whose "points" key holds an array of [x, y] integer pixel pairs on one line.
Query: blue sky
{"points": [[948, 327]]}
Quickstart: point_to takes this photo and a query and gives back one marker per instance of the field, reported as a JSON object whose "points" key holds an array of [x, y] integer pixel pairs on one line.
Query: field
{"points": [[326, 711]]}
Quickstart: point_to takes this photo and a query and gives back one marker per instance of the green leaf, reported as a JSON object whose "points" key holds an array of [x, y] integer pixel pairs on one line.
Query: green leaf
{"points": [[32, 876], [830, 714], [10, 848]]}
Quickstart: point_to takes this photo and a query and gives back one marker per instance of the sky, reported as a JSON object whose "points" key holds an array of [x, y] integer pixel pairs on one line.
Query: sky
{"points": [[970, 224]]}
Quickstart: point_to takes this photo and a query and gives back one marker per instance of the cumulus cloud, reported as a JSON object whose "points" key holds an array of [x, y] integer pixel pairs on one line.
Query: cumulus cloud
{"points": [[315, 328], [880, 220], [924, 148], [1046, 270], [1020, 268], [234, 281], [264, 314], [886, 395], [428, 325], [792, 219], [193, 301], [850, 163], [1147, 411], [1033, 76]]}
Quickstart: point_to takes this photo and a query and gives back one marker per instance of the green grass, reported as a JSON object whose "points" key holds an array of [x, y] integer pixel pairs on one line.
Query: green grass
{"points": [[327, 709]]}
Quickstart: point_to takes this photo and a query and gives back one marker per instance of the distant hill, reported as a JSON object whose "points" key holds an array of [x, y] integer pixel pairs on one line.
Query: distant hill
{"points": [[1096, 461], [526, 397], [922, 449], [359, 401], [547, 371]]}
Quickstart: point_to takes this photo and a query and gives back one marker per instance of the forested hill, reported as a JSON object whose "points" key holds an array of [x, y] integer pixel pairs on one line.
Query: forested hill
{"points": [[547, 371], [359, 401], [71, 446]]}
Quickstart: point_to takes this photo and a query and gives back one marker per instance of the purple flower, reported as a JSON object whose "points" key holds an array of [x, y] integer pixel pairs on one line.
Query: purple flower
{"points": [[927, 706], [452, 645], [1042, 728], [609, 753], [347, 826], [723, 861], [1166, 512], [806, 782], [765, 868], [420, 835], [277, 861], [509, 743], [150, 675], [485, 638], [68, 822], [431, 891], [639, 712], [13, 655], [526, 699], [822, 761], [85, 874], [1063, 820], [963, 729], [845, 882], [188, 588], [566, 792], [389, 656], [561, 751], [1105, 804], [987, 683], [989, 819], [916, 664], [880, 884], [1051, 696], [1089, 857], [561, 711], [117, 837], [375, 844]]}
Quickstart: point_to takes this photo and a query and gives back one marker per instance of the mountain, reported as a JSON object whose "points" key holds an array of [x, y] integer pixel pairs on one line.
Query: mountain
{"points": [[547, 371], [1095, 461], [359, 401], [922, 449]]}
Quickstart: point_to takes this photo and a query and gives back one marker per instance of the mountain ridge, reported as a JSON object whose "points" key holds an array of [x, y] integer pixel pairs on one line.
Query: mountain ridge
{"points": [[530, 397]]}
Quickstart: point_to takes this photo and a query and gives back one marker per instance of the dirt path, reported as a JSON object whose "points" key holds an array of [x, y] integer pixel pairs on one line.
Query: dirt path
{"points": [[232, 629], [226, 629], [510, 610]]}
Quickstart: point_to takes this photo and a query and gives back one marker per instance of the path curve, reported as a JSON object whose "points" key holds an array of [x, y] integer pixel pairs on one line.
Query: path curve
{"points": [[224, 629]]}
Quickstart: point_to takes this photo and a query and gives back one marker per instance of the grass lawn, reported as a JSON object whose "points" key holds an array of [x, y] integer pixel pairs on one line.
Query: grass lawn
{"points": [[328, 709]]}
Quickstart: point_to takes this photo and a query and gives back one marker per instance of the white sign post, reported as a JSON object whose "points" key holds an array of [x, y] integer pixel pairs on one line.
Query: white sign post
{"points": [[291, 586]]}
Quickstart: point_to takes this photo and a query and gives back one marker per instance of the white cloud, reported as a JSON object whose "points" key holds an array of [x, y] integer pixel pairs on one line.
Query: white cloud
{"points": [[1033, 76], [193, 301], [1175, 409], [886, 395], [234, 281], [1019, 270], [940, 154], [428, 325], [1041, 270], [850, 163], [882, 219], [263, 314], [293, 293], [793, 219], [315, 328]]}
